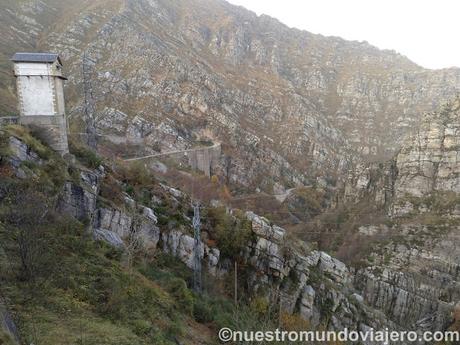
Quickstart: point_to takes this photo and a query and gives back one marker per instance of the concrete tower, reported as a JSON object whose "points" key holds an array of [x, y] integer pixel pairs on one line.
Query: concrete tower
{"points": [[40, 86]]}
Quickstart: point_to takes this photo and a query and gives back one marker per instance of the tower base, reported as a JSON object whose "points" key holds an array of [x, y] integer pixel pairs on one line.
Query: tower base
{"points": [[52, 130]]}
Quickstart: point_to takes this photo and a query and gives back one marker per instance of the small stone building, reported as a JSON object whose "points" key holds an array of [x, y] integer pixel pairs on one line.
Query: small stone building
{"points": [[40, 86]]}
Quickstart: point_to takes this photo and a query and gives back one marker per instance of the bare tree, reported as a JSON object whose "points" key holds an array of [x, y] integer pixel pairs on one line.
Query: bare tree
{"points": [[134, 241], [24, 214], [227, 168]]}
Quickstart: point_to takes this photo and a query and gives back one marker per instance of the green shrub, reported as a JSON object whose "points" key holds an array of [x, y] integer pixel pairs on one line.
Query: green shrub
{"points": [[111, 190], [311, 199], [164, 268], [85, 155], [86, 285], [130, 190], [175, 329], [183, 296], [141, 327], [5, 339], [30, 140], [202, 311], [137, 174], [260, 305], [232, 233]]}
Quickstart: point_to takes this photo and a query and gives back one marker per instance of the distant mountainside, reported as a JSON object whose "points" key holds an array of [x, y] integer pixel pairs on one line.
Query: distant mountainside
{"points": [[339, 147], [289, 104]]}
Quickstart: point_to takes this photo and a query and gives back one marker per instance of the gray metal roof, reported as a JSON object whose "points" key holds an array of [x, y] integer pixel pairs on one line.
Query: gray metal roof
{"points": [[36, 57]]}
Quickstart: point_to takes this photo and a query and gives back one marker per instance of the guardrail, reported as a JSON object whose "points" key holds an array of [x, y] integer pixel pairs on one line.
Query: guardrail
{"points": [[9, 120], [201, 158]]}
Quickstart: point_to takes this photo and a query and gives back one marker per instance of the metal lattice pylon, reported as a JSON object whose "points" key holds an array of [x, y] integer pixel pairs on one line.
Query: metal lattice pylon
{"points": [[197, 286], [89, 108]]}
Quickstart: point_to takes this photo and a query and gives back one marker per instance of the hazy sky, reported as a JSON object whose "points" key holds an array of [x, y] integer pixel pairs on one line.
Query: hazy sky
{"points": [[426, 31]]}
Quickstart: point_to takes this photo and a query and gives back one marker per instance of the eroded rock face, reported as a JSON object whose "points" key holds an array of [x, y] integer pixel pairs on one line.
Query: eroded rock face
{"points": [[77, 202], [261, 226], [413, 278], [143, 228], [290, 105], [182, 246], [415, 289], [336, 269], [148, 233], [113, 220], [430, 159], [7, 325], [405, 299], [315, 285], [427, 164], [21, 152], [307, 308], [110, 237]]}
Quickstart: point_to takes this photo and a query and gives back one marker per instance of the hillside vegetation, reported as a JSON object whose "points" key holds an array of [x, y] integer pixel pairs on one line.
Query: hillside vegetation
{"points": [[62, 287]]}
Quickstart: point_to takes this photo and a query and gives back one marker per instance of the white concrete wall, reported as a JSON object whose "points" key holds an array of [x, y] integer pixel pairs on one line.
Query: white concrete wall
{"points": [[30, 68], [60, 102], [41, 102], [53, 130], [37, 68], [36, 95], [40, 90]]}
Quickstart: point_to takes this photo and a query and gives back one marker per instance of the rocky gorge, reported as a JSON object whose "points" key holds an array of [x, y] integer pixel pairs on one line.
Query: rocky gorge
{"points": [[310, 282], [409, 282], [354, 152], [291, 107]]}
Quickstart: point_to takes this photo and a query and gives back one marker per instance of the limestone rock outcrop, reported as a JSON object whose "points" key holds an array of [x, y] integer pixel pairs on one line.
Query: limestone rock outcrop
{"points": [[429, 161], [410, 285], [412, 276], [291, 107]]}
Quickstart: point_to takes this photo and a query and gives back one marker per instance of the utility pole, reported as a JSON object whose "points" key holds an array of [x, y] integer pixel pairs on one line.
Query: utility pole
{"points": [[89, 108], [197, 286], [236, 283], [280, 311]]}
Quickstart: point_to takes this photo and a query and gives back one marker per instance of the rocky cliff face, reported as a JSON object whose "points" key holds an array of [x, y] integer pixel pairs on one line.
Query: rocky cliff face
{"points": [[426, 166], [412, 274], [429, 162], [289, 108], [290, 105], [311, 283], [407, 284]]}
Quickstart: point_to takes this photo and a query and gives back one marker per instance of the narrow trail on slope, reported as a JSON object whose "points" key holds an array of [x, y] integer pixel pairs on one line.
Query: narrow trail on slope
{"points": [[172, 152]]}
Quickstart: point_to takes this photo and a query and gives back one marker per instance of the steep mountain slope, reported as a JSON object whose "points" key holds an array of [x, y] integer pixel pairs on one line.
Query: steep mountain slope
{"points": [[289, 105], [290, 108], [411, 261], [407, 278], [116, 230], [68, 280]]}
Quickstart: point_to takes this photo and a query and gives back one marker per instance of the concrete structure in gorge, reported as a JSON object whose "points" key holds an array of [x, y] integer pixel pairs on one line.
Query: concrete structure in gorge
{"points": [[40, 87]]}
